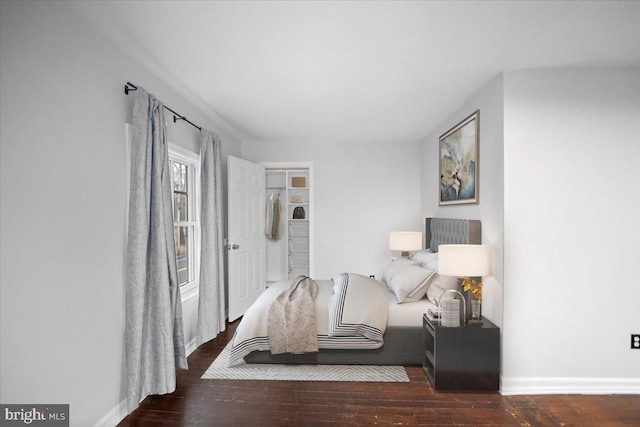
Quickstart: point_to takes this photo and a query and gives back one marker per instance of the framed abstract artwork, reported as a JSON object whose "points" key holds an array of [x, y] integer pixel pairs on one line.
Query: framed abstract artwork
{"points": [[459, 162]]}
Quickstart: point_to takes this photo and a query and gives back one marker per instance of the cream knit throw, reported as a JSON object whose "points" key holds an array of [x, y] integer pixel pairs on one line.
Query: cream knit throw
{"points": [[292, 324]]}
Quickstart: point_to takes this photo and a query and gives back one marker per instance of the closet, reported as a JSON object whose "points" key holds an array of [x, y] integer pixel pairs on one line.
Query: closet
{"points": [[288, 238]]}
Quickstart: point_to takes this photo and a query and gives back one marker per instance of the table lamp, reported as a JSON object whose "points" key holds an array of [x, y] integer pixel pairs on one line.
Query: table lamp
{"points": [[405, 241], [465, 261]]}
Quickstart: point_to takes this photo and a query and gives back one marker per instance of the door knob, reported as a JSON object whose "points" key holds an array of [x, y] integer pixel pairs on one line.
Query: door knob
{"points": [[234, 246]]}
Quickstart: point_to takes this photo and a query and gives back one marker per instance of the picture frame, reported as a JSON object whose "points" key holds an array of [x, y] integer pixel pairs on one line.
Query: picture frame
{"points": [[458, 162]]}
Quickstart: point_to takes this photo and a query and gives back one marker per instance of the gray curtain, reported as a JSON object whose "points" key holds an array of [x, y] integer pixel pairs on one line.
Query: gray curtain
{"points": [[211, 304], [154, 337]]}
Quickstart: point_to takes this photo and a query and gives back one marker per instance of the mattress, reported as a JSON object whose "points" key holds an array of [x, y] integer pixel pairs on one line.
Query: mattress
{"points": [[408, 314]]}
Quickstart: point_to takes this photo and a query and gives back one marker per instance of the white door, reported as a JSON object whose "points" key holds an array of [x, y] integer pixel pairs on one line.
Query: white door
{"points": [[246, 240]]}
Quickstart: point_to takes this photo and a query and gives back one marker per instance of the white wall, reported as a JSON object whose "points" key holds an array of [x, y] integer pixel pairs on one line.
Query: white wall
{"points": [[559, 198], [62, 206], [572, 204], [361, 193], [490, 208]]}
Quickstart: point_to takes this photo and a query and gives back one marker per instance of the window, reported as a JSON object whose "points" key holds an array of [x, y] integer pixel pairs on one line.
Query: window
{"points": [[184, 167]]}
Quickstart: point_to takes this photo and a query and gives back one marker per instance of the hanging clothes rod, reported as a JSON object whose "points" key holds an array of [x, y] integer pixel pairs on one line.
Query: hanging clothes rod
{"points": [[130, 87]]}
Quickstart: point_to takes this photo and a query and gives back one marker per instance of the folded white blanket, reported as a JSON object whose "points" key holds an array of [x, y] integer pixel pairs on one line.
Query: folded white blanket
{"points": [[358, 307]]}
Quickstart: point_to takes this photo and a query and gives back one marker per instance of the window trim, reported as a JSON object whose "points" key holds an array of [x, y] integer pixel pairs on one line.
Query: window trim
{"points": [[184, 156]]}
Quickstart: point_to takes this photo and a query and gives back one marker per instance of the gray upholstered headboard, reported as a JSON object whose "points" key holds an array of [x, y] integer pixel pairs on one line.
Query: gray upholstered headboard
{"points": [[442, 231]]}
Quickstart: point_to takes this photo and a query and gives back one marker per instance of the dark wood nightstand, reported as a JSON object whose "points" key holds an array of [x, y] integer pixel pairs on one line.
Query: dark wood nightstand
{"points": [[463, 358]]}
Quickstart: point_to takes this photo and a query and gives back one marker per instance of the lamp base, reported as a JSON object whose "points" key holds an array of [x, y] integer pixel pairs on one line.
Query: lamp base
{"points": [[476, 306], [405, 254]]}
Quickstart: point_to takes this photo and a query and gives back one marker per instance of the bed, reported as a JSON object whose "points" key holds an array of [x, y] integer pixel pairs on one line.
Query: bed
{"points": [[402, 339]]}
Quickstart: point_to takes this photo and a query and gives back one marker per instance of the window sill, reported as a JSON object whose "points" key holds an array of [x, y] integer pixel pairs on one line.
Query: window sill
{"points": [[189, 291]]}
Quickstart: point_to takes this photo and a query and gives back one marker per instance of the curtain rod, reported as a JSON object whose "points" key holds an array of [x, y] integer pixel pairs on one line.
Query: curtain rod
{"points": [[130, 87]]}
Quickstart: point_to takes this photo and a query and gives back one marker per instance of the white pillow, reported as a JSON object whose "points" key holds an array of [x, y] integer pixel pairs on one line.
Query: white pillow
{"points": [[426, 258], [394, 267], [439, 284], [411, 283]]}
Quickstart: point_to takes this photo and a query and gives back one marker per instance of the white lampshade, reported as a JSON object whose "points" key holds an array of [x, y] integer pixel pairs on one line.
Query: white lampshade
{"points": [[464, 260], [405, 241]]}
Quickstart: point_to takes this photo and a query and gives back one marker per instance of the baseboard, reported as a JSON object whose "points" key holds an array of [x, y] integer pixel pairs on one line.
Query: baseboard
{"points": [[114, 416], [553, 385]]}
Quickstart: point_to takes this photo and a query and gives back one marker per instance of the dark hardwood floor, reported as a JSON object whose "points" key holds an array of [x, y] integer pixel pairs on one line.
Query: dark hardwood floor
{"points": [[199, 402]]}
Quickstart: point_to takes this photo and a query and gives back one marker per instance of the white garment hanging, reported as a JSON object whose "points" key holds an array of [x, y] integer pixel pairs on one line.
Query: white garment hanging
{"points": [[269, 219], [275, 229]]}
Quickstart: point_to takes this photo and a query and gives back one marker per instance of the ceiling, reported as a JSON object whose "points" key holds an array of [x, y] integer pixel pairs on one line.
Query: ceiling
{"points": [[362, 71]]}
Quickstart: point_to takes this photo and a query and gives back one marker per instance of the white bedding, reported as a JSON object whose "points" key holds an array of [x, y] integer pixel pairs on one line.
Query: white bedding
{"points": [[407, 314], [250, 335]]}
